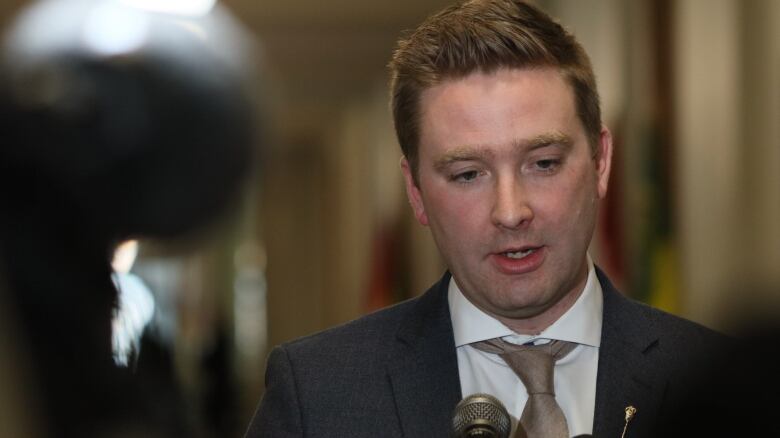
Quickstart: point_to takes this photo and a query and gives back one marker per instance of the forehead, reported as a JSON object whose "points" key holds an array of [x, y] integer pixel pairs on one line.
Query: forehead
{"points": [[506, 106]]}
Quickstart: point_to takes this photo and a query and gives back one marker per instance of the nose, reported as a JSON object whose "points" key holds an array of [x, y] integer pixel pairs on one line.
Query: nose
{"points": [[511, 209]]}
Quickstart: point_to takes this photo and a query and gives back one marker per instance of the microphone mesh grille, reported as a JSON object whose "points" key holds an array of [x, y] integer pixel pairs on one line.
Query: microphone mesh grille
{"points": [[482, 409]]}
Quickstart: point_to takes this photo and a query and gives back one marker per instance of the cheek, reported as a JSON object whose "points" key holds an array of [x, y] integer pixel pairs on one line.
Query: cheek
{"points": [[569, 206], [454, 214], [582, 211]]}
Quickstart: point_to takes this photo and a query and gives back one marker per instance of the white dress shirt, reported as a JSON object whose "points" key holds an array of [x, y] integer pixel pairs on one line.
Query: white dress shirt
{"points": [[575, 374]]}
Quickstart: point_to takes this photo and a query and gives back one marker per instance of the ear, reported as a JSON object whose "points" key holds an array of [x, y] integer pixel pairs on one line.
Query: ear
{"points": [[604, 161], [413, 193]]}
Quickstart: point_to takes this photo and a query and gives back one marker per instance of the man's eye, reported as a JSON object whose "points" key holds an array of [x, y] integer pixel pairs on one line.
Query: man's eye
{"points": [[465, 176], [547, 165]]}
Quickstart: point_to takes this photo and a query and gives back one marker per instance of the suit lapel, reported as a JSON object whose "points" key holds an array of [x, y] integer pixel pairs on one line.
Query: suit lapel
{"points": [[625, 373], [424, 375]]}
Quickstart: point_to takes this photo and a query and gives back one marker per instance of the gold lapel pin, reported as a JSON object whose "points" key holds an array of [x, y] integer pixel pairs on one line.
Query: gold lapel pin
{"points": [[630, 412]]}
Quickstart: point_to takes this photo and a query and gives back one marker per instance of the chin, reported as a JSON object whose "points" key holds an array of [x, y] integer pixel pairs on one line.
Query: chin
{"points": [[521, 308]]}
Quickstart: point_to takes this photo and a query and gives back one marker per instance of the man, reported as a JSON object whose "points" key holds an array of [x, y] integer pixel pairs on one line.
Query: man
{"points": [[504, 159]]}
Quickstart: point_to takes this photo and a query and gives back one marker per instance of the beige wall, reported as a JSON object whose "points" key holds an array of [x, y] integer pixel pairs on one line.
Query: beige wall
{"points": [[707, 85], [729, 94]]}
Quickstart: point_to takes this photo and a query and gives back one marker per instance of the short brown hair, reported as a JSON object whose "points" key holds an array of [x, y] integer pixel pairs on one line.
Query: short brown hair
{"points": [[485, 35]]}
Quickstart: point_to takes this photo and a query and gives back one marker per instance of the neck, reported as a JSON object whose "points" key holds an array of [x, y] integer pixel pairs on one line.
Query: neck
{"points": [[536, 324]]}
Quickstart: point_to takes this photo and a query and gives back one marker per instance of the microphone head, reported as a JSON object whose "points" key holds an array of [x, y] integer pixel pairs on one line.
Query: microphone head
{"points": [[481, 415]]}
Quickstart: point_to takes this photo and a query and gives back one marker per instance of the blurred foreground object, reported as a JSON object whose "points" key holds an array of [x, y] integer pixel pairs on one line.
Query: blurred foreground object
{"points": [[138, 117], [119, 119]]}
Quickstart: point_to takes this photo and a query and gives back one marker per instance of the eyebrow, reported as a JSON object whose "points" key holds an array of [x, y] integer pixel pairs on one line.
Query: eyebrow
{"points": [[547, 139], [462, 153], [470, 153]]}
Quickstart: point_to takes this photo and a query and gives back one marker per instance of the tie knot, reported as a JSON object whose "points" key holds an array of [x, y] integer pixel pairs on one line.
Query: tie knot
{"points": [[533, 364]]}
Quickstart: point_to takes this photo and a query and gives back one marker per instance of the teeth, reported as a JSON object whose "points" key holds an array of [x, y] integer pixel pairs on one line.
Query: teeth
{"points": [[519, 254]]}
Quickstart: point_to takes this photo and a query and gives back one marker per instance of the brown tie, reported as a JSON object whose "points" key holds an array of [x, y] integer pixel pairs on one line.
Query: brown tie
{"points": [[534, 365]]}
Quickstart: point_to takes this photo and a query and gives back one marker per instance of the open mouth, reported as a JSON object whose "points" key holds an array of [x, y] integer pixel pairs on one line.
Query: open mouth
{"points": [[519, 260], [519, 254]]}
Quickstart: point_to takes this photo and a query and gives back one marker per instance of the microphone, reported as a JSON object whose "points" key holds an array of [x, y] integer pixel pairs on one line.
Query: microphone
{"points": [[480, 415]]}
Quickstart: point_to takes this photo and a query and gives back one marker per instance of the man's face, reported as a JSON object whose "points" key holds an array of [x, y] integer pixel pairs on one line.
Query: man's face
{"points": [[509, 185]]}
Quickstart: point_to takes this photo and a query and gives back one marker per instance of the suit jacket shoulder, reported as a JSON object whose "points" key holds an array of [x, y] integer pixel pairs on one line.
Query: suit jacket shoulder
{"points": [[390, 373]]}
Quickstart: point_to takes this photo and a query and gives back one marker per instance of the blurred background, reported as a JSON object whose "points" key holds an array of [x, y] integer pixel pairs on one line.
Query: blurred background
{"points": [[690, 89]]}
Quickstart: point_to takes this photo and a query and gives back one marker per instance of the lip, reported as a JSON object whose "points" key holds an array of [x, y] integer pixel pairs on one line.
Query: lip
{"points": [[529, 263]]}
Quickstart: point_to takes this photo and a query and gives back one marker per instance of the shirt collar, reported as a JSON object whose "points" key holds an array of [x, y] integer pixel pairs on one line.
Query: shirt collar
{"points": [[580, 324]]}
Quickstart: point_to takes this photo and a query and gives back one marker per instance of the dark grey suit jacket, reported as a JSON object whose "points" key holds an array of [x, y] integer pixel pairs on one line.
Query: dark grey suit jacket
{"points": [[394, 373]]}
